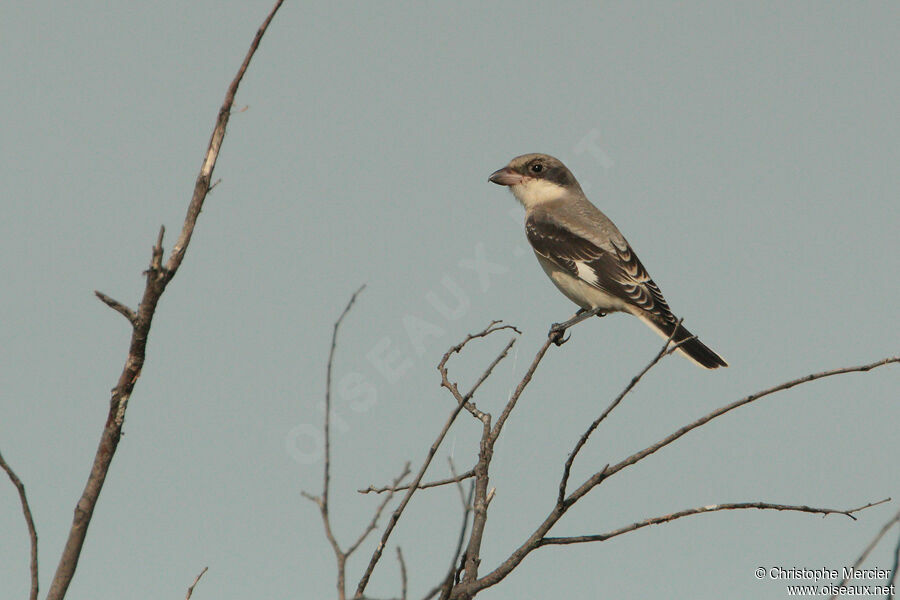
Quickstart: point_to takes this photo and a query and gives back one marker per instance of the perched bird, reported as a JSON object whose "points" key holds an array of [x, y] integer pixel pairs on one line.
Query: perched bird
{"points": [[586, 256]]}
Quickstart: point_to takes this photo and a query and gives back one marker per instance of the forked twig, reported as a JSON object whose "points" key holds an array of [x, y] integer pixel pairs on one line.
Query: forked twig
{"points": [[461, 403], [469, 588], [157, 278], [667, 349]]}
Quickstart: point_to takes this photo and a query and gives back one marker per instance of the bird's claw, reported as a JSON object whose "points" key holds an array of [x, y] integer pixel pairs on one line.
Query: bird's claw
{"points": [[556, 334]]}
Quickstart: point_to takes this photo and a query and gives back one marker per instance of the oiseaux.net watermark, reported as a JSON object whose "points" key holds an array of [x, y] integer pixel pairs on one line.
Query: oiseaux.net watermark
{"points": [[841, 582]]}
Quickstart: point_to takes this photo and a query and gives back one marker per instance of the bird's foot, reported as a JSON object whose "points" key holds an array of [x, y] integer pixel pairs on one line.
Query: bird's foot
{"points": [[557, 334]]}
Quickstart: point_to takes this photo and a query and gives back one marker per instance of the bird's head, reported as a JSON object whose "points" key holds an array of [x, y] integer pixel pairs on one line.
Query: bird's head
{"points": [[536, 178]]}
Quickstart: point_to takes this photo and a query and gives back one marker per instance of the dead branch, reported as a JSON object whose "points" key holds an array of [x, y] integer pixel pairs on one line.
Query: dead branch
{"points": [[868, 550], [158, 277], [190, 590], [485, 455], [321, 501], [602, 537], [117, 306], [465, 400], [462, 402], [378, 511], [453, 572], [340, 555], [637, 456], [29, 523], [328, 369], [894, 566], [667, 349], [402, 573], [468, 588], [424, 486]]}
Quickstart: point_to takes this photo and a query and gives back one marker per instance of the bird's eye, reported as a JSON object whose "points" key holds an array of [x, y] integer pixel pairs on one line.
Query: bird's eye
{"points": [[537, 168]]}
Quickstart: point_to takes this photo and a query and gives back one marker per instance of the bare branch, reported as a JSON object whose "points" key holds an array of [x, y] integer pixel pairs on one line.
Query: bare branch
{"points": [[322, 501], [395, 516], [467, 589], [327, 426], [461, 403], [201, 187], [485, 455], [374, 522], [893, 577], [424, 486], [402, 573], [117, 306], [865, 553], [601, 537], [29, 523], [526, 379], [490, 368], [637, 456], [664, 351], [190, 590], [453, 387], [466, 502], [445, 587], [453, 572], [157, 278]]}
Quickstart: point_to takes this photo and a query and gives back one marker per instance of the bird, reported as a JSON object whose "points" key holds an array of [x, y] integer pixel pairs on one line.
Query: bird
{"points": [[587, 257]]}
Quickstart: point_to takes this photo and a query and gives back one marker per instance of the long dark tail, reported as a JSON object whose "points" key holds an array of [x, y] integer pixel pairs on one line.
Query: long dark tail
{"points": [[694, 349]]}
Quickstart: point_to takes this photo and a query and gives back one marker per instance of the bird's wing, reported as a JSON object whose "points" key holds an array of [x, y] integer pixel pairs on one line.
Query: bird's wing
{"points": [[616, 270]]}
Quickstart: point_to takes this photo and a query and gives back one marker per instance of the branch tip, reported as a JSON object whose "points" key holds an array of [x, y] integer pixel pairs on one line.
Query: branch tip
{"points": [[117, 306], [190, 590]]}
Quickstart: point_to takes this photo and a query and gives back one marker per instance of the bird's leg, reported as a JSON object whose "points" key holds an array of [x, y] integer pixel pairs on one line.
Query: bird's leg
{"points": [[557, 330]]}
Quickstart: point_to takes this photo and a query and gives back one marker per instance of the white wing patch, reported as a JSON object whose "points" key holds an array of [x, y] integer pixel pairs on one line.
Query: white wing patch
{"points": [[585, 272]]}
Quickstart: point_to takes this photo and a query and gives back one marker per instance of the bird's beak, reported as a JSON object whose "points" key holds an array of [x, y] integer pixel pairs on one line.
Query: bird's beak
{"points": [[505, 176]]}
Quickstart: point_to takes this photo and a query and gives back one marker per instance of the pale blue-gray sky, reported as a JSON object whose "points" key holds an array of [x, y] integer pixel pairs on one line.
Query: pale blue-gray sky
{"points": [[748, 151]]}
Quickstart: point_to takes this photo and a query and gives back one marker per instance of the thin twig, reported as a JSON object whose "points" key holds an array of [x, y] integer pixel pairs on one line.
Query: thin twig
{"points": [[601, 537], [490, 368], [395, 516], [402, 573], [193, 585], [327, 426], [29, 523], [467, 589], [637, 456], [378, 511], [466, 500], [894, 567], [424, 486], [322, 500], [664, 351], [865, 553], [485, 455], [465, 400], [461, 403], [117, 306], [526, 379], [157, 278], [445, 587], [201, 188]]}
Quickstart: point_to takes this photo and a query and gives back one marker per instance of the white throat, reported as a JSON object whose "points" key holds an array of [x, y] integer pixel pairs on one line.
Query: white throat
{"points": [[532, 192]]}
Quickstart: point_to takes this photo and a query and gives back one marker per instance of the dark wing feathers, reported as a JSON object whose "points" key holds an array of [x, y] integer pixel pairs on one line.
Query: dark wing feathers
{"points": [[618, 272]]}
